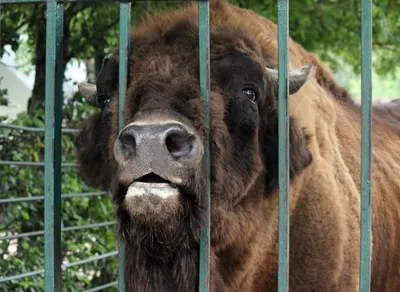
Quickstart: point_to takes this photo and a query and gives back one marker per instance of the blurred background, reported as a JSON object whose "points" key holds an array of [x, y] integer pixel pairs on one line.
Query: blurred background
{"points": [[330, 28]]}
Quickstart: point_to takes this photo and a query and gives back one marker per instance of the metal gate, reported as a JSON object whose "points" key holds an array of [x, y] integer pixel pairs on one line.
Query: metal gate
{"points": [[52, 163]]}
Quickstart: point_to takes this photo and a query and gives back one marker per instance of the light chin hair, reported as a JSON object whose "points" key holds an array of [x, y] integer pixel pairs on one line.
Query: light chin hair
{"points": [[152, 209]]}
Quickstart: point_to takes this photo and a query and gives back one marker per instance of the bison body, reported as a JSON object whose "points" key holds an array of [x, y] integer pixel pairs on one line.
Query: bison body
{"points": [[153, 167]]}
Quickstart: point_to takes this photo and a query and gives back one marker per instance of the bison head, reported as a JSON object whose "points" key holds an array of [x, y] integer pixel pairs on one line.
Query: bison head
{"points": [[153, 166]]}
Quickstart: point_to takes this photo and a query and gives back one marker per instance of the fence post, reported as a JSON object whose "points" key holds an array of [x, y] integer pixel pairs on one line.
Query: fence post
{"points": [[124, 40], [204, 59], [283, 146], [52, 157], [366, 145]]}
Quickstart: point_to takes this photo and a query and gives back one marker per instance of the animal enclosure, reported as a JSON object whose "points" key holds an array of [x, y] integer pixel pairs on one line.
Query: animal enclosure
{"points": [[53, 130]]}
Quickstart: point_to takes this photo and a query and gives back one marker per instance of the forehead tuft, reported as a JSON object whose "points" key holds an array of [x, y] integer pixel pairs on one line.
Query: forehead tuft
{"points": [[175, 33]]}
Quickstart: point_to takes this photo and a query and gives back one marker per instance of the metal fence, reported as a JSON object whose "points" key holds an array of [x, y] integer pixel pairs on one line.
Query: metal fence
{"points": [[4, 279], [12, 200], [52, 163]]}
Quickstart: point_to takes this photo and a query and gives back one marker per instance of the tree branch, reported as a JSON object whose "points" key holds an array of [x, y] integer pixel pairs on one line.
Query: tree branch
{"points": [[112, 24], [22, 24], [80, 48]]}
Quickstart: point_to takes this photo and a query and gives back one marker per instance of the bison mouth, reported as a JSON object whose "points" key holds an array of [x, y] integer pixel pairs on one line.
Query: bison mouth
{"points": [[152, 185], [152, 199]]}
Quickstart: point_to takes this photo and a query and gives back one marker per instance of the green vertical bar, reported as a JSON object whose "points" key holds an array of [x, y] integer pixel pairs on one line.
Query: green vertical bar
{"points": [[204, 59], [366, 138], [283, 144], [52, 157], [125, 19]]}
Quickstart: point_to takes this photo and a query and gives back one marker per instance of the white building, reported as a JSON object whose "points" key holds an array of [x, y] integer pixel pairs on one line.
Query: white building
{"points": [[20, 85], [19, 91]]}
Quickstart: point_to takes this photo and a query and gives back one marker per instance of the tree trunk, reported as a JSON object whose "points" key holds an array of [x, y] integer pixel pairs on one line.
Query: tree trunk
{"points": [[93, 66], [90, 71], [38, 93], [98, 61]]}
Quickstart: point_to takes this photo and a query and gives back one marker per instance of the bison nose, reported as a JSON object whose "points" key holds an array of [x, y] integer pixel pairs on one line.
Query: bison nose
{"points": [[157, 143], [180, 143]]}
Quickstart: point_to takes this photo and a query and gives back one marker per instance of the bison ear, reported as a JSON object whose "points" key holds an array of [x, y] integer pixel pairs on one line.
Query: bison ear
{"points": [[106, 82], [297, 77], [89, 92], [299, 154]]}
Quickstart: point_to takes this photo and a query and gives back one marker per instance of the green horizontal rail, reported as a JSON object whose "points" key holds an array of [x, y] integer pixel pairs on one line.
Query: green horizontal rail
{"points": [[20, 276], [33, 129], [105, 286], [66, 229], [89, 260], [24, 163], [38, 198], [20, 235], [64, 266], [366, 145]]}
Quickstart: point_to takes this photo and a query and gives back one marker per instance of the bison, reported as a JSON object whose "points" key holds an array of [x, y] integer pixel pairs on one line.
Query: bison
{"points": [[153, 166]]}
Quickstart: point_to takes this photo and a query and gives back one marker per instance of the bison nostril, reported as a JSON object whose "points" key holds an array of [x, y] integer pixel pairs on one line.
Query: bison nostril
{"points": [[127, 144], [180, 144]]}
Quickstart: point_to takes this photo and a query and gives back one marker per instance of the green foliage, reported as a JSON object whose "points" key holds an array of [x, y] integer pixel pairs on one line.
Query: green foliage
{"points": [[90, 28], [94, 28], [329, 28], [27, 254], [86, 27], [332, 29], [9, 20]]}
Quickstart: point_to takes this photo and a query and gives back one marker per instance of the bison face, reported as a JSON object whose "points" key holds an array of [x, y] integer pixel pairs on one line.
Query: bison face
{"points": [[153, 166]]}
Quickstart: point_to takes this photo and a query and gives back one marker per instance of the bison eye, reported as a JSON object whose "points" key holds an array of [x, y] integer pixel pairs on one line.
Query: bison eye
{"points": [[250, 93], [105, 101]]}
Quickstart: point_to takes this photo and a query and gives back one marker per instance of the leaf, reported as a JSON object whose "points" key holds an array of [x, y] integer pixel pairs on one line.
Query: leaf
{"points": [[35, 157], [25, 215]]}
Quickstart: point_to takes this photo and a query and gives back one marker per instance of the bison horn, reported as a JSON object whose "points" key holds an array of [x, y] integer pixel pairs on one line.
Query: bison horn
{"points": [[297, 77], [89, 92]]}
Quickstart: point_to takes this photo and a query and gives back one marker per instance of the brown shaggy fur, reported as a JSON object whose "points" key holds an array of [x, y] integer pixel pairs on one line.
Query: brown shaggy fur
{"points": [[325, 167], [389, 112]]}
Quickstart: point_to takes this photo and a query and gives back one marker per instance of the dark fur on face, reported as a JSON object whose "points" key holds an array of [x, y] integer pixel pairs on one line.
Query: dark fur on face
{"points": [[164, 77]]}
